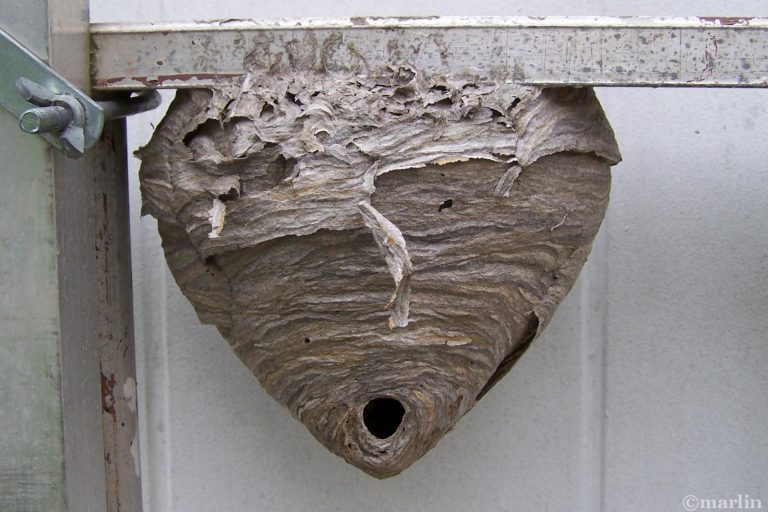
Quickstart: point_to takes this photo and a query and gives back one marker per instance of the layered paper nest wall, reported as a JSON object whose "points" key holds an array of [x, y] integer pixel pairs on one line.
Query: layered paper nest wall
{"points": [[378, 251]]}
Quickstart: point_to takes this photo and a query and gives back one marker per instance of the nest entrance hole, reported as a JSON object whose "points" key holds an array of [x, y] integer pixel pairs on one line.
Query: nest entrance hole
{"points": [[383, 416]]}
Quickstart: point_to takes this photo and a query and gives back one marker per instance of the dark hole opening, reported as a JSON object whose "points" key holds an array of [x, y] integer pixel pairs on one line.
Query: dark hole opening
{"points": [[229, 105], [446, 204], [292, 97], [229, 196], [443, 103], [267, 112], [205, 128], [211, 261], [382, 416], [307, 340]]}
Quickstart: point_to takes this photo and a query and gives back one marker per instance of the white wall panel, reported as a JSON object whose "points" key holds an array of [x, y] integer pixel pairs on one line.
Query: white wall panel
{"points": [[649, 384], [687, 322]]}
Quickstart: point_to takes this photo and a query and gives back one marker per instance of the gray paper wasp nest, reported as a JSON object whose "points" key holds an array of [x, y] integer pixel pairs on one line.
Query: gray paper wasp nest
{"points": [[378, 251]]}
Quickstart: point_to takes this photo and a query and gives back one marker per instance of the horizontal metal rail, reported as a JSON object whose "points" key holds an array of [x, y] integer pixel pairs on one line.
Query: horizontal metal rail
{"points": [[599, 51]]}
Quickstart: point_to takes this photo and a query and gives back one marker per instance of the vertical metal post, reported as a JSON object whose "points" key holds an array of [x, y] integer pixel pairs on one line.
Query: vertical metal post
{"points": [[67, 399], [117, 355]]}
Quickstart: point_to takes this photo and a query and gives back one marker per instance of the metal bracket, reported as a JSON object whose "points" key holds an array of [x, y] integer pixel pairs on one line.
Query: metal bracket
{"points": [[47, 104]]}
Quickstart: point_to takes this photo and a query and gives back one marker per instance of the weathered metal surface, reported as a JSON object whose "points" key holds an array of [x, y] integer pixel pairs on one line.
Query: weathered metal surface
{"points": [[117, 361], [717, 52], [43, 410], [31, 442], [379, 251], [52, 455]]}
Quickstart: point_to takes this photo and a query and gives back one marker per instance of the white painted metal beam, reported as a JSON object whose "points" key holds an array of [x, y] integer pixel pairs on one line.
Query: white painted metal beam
{"points": [[599, 51]]}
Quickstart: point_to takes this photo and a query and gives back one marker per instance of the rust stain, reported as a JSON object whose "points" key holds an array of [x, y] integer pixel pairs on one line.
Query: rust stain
{"points": [[725, 20], [104, 82], [161, 79], [104, 244]]}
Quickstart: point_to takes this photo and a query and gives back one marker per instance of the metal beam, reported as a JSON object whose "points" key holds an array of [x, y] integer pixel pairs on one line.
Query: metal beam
{"points": [[693, 52]]}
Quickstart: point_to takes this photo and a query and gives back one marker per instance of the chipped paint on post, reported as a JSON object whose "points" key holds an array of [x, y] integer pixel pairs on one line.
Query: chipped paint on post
{"points": [[113, 272], [129, 393]]}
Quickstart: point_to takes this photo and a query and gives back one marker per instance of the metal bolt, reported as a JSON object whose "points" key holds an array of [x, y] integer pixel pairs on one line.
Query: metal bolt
{"points": [[45, 119]]}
